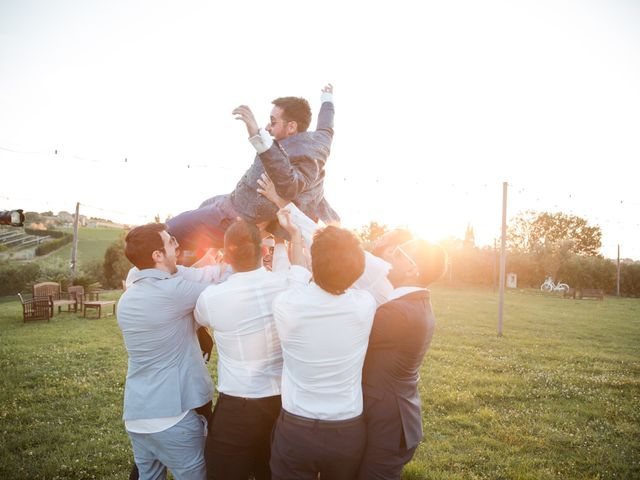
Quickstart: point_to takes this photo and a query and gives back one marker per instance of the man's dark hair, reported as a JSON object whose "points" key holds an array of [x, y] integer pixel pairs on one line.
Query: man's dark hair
{"points": [[243, 246], [337, 259], [431, 260], [295, 109], [141, 242]]}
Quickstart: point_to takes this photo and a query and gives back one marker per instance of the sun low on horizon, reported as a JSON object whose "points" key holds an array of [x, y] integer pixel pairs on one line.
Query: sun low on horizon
{"points": [[431, 117]]}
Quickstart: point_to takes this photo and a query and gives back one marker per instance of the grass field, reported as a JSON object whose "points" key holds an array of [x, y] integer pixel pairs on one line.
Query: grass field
{"points": [[92, 243], [557, 397]]}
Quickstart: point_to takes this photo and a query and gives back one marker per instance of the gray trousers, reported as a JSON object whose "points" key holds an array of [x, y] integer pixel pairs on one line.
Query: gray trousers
{"points": [[179, 448]]}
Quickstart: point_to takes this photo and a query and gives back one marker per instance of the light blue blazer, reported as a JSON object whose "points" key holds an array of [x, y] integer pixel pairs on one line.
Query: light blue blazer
{"points": [[166, 374]]}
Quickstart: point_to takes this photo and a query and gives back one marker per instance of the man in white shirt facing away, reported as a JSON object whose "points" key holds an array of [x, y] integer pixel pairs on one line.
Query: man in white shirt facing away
{"points": [[374, 276], [324, 330], [249, 355]]}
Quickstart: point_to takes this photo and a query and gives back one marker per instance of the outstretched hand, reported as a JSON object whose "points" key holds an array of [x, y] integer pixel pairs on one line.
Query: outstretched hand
{"points": [[284, 218], [328, 88], [267, 189], [245, 114]]}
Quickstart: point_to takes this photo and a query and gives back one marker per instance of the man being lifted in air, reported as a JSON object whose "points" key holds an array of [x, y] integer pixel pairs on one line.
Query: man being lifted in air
{"points": [[291, 156]]}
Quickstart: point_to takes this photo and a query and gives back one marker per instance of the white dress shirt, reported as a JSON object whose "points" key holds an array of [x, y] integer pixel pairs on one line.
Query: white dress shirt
{"points": [[373, 279], [240, 311], [402, 291], [324, 340]]}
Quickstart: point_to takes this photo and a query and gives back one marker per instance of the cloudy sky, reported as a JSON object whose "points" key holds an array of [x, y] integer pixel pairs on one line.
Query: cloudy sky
{"points": [[437, 104]]}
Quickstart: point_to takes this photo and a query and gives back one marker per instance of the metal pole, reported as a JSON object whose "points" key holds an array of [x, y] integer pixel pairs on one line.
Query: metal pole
{"points": [[74, 247], [618, 274], [503, 256], [493, 264]]}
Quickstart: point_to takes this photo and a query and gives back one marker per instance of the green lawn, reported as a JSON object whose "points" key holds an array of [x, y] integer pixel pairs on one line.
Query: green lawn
{"points": [[558, 396], [92, 243]]}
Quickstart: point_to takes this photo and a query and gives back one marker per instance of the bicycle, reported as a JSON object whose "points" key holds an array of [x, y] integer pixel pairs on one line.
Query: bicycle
{"points": [[549, 286]]}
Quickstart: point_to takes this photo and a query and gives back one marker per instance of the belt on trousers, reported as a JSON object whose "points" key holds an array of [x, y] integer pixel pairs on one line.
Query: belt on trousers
{"points": [[246, 399], [315, 423]]}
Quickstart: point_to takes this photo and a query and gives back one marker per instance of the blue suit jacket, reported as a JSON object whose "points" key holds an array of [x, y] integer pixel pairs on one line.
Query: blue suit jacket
{"points": [[401, 334], [296, 167]]}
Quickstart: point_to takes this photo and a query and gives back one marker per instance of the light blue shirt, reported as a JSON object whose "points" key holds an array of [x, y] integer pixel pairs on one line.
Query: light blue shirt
{"points": [[166, 372]]}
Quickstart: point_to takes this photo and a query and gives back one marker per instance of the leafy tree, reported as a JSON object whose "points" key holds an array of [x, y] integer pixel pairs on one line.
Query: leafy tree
{"points": [[589, 272], [33, 217], [535, 232], [99, 219], [116, 265], [371, 232]]}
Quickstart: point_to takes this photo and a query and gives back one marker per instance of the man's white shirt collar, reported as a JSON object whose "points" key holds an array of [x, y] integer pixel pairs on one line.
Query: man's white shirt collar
{"points": [[402, 291]]}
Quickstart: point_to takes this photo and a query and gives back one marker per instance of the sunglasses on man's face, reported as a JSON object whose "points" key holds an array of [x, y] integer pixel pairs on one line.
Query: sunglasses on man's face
{"points": [[399, 251], [173, 242]]}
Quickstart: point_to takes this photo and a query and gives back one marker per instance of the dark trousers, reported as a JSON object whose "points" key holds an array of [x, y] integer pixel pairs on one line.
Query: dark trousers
{"points": [[238, 442], [382, 464], [303, 448], [204, 227]]}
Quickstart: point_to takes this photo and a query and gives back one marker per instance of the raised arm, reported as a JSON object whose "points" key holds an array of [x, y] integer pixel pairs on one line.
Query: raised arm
{"points": [[290, 179], [306, 226], [297, 256], [373, 279], [327, 111], [292, 172]]}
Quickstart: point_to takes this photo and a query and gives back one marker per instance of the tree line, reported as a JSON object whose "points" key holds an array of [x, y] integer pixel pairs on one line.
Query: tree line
{"points": [[538, 244]]}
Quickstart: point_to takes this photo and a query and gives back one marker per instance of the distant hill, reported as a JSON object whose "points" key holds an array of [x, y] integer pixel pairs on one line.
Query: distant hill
{"points": [[46, 220], [92, 243]]}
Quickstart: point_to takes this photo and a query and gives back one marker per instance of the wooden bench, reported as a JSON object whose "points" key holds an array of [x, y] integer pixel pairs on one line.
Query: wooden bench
{"points": [[591, 293], [98, 304], [571, 293], [57, 298]]}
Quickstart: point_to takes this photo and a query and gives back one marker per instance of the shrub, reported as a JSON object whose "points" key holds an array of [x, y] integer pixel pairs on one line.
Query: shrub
{"points": [[472, 265], [92, 272], [589, 272], [54, 244], [46, 233], [15, 276], [630, 279], [55, 271], [530, 272], [116, 264]]}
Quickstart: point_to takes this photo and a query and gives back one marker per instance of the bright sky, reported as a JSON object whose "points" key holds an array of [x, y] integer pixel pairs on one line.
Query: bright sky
{"points": [[437, 104]]}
